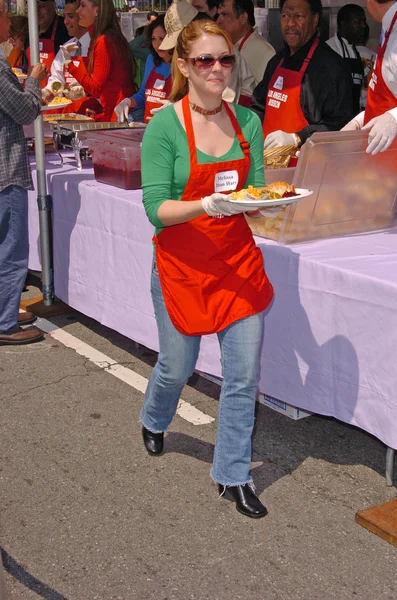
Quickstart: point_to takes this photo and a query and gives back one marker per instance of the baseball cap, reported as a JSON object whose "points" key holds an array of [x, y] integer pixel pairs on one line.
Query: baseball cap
{"points": [[177, 17]]}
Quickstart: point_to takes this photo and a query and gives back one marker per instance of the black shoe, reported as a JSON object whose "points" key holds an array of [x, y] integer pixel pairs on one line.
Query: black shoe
{"points": [[154, 442], [246, 501]]}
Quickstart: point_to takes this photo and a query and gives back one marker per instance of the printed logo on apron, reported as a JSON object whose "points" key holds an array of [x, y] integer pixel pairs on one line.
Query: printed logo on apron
{"points": [[226, 181], [279, 83], [159, 84]]}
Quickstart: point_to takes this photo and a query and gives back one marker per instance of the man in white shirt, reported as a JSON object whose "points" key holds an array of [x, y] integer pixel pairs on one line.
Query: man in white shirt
{"points": [[59, 75], [237, 18], [380, 115], [352, 31]]}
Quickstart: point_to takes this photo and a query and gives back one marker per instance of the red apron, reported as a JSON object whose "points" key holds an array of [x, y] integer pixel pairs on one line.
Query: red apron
{"points": [[211, 271], [157, 88], [245, 38], [283, 104], [380, 99], [47, 51], [82, 105]]}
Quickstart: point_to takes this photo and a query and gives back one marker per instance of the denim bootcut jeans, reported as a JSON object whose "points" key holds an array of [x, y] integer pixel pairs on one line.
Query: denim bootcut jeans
{"points": [[240, 345], [14, 253]]}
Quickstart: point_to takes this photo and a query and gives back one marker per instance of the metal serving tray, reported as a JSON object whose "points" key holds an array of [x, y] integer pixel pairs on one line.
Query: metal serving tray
{"points": [[72, 134]]}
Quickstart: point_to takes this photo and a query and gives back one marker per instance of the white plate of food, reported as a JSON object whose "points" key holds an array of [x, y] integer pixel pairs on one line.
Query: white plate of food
{"points": [[19, 74], [57, 103], [278, 193]]}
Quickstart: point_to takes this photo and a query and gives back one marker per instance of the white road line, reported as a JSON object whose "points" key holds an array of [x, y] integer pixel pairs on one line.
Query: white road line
{"points": [[185, 410]]}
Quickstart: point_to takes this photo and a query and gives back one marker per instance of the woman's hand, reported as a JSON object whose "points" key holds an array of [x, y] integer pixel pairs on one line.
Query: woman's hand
{"points": [[163, 104], [46, 95], [123, 108], [66, 50], [74, 93], [216, 204]]}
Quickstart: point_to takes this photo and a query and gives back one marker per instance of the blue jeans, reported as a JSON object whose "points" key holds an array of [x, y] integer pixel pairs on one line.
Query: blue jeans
{"points": [[14, 254], [240, 348]]}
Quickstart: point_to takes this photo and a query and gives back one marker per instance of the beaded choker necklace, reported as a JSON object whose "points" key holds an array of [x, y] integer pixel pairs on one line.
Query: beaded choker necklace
{"points": [[204, 111]]}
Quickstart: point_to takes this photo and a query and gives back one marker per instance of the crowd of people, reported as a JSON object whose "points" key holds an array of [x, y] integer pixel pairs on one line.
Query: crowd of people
{"points": [[213, 93]]}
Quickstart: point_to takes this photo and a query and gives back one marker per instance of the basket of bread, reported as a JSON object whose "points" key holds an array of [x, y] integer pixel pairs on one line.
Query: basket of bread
{"points": [[278, 158]]}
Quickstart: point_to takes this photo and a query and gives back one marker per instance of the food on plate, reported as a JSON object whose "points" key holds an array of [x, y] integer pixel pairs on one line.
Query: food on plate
{"points": [[250, 190], [273, 191], [281, 188], [18, 73]]}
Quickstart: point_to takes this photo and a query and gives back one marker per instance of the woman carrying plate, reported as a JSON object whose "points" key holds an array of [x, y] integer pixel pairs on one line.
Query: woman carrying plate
{"points": [[156, 82], [109, 75], [208, 275]]}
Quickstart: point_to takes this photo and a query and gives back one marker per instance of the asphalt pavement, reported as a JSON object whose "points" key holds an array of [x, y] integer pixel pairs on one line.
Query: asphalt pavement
{"points": [[86, 514]]}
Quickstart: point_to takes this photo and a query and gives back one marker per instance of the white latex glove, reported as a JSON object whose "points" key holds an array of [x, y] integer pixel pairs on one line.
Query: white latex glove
{"points": [[74, 93], [67, 49], [163, 104], [382, 131], [279, 138], [216, 204], [46, 95], [351, 125], [122, 110]]}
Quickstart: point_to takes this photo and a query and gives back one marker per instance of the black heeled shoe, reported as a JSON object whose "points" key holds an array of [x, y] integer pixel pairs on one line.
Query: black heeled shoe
{"points": [[246, 501], [154, 442]]}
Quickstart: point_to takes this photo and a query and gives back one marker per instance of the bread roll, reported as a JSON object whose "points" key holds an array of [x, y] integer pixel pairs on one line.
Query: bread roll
{"points": [[279, 187]]}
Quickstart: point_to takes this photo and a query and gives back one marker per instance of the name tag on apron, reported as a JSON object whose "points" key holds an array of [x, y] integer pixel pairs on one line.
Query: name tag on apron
{"points": [[226, 181], [159, 84]]}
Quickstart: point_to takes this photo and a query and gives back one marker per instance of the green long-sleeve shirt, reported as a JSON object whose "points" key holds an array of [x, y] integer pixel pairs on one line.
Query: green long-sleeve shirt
{"points": [[165, 160]]}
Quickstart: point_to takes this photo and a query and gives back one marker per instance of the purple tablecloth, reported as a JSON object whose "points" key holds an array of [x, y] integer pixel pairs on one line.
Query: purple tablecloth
{"points": [[330, 342]]}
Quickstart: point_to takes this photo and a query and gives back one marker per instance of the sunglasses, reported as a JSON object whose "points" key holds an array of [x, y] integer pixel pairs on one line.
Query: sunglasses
{"points": [[206, 61]]}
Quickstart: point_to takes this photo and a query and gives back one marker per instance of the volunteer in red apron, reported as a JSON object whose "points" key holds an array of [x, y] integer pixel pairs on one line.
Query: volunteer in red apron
{"points": [[306, 87], [109, 73], [156, 83], [283, 109], [237, 18], [81, 103], [60, 77], [52, 33], [380, 115], [208, 275]]}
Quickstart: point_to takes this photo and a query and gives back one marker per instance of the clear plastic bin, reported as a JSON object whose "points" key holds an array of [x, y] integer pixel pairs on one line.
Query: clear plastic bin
{"points": [[353, 192], [116, 156]]}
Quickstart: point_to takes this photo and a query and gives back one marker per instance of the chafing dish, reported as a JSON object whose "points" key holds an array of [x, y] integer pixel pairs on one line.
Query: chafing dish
{"points": [[73, 134]]}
